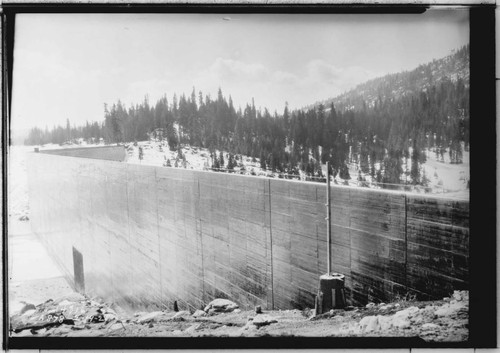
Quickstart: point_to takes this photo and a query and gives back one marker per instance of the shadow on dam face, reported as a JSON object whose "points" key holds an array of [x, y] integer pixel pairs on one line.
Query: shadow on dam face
{"points": [[155, 235]]}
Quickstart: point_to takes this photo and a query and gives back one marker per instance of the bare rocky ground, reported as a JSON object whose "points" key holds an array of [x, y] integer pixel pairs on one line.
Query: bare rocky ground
{"points": [[76, 315]]}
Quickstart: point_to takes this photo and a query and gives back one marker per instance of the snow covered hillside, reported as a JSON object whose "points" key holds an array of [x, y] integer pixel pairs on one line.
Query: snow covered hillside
{"points": [[443, 178]]}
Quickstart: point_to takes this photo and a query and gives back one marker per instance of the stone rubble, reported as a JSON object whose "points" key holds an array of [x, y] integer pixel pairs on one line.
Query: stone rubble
{"points": [[450, 315], [77, 315]]}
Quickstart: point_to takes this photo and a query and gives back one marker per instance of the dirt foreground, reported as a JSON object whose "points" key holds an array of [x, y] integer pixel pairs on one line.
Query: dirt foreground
{"points": [[76, 315]]}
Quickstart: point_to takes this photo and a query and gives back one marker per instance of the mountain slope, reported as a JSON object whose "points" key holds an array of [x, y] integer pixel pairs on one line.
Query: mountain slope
{"points": [[452, 67]]}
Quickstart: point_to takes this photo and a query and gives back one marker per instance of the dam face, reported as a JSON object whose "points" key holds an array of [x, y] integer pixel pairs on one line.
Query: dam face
{"points": [[148, 236]]}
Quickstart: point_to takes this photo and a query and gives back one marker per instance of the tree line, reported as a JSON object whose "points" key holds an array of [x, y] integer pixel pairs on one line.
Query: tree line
{"points": [[386, 140]]}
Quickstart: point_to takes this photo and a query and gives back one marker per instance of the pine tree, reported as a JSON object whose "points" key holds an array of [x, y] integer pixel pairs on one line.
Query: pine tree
{"points": [[141, 153], [344, 172], [230, 163], [415, 169], [262, 161], [68, 131], [221, 159], [215, 163]]}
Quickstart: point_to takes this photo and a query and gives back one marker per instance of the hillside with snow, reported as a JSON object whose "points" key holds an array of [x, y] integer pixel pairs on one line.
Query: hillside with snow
{"points": [[453, 67], [444, 178]]}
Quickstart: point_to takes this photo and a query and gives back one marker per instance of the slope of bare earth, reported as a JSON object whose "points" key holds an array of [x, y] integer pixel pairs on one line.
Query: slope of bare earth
{"points": [[76, 315]]}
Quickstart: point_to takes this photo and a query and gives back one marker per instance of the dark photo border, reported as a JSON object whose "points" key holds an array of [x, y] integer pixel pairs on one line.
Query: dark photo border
{"points": [[483, 244]]}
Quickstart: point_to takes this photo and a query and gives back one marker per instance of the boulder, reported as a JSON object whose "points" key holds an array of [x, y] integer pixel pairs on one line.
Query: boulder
{"points": [[449, 309], [181, 315], [192, 328], [109, 317], [460, 295], [80, 326], [401, 319], [369, 324], [263, 320], [430, 326], [61, 331], [221, 306], [199, 313], [116, 326], [384, 322], [148, 317]]}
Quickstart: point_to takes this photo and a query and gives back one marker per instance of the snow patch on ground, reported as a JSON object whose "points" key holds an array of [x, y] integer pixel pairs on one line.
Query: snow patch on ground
{"points": [[445, 179]]}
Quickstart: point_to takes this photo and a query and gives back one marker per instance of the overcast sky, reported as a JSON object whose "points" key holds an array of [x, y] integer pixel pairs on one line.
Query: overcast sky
{"points": [[66, 66]]}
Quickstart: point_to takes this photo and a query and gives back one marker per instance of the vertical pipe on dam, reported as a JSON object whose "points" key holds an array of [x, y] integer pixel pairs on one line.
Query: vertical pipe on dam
{"points": [[328, 223]]}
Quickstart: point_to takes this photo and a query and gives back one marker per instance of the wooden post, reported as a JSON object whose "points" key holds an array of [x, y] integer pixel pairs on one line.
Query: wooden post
{"points": [[328, 224]]}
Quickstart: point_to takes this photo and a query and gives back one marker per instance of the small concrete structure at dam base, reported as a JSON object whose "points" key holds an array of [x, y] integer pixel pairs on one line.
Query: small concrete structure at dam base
{"points": [[331, 293], [149, 236]]}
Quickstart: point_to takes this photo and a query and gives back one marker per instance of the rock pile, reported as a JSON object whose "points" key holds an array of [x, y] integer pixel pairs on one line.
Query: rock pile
{"points": [[77, 315], [75, 310], [431, 321]]}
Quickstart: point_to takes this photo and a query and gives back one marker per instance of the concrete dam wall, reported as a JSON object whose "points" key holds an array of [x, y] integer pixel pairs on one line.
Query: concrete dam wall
{"points": [[111, 153], [146, 236]]}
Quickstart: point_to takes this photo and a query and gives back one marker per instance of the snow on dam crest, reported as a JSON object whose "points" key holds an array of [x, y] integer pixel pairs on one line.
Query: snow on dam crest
{"points": [[147, 236]]}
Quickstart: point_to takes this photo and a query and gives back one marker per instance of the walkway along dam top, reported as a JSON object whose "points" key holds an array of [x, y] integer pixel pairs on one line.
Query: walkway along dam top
{"points": [[147, 236]]}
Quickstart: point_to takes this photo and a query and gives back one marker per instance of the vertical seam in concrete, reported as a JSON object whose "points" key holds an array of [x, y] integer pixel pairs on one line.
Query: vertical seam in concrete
{"points": [[158, 232], [201, 242], [82, 240], [350, 244], [318, 262], [271, 242], [318, 269], [109, 246], [127, 181], [406, 243]]}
